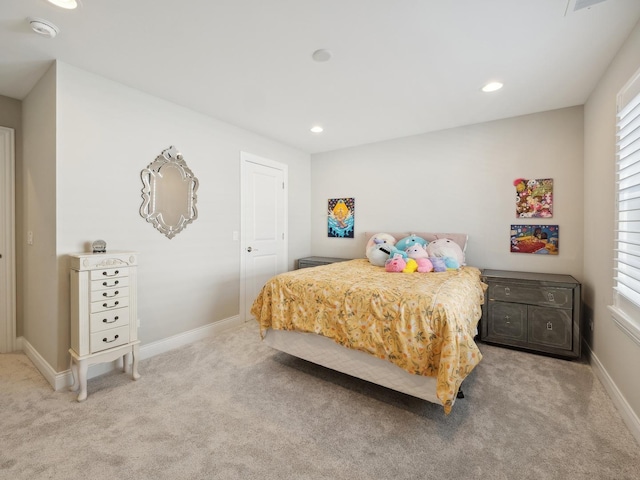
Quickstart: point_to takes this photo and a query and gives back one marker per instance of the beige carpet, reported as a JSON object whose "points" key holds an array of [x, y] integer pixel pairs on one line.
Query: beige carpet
{"points": [[232, 408]]}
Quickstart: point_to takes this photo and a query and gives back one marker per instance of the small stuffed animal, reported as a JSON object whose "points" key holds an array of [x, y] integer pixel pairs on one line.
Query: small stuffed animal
{"points": [[409, 241], [378, 254], [420, 255], [444, 247], [380, 238], [396, 251], [395, 264], [377, 245], [438, 264], [411, 267]]}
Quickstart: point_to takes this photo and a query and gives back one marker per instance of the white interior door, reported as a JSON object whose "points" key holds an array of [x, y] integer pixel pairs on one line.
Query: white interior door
{"points": [[7, 242], [264, 226]]}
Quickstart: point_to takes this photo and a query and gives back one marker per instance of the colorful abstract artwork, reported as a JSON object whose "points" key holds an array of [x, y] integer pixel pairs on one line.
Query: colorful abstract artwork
{"points": [[534, 198], [541, 239], [341, 217]]}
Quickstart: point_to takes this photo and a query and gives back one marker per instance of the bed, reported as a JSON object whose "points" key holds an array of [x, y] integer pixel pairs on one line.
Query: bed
{"points": [[409, 332]]}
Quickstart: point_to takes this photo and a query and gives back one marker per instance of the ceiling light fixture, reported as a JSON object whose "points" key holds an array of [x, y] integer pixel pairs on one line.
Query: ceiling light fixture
{"points": [[68, 4], [43, 27], [492, 87], [317, 129]]}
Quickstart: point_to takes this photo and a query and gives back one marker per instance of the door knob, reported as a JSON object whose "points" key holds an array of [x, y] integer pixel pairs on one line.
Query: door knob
{"points": [[249, 249]]}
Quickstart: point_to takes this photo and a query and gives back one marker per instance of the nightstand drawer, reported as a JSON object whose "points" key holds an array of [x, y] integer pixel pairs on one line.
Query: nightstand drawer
{"points": [[507, 322], [546, 296], [550, 327]]}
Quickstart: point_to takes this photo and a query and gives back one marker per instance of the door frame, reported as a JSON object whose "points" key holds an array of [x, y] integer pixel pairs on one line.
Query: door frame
{"points": [[246, 158], [7, 242]]}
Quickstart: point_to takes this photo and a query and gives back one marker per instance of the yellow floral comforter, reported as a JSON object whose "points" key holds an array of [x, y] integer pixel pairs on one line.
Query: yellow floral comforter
{"points": [[422, 322]]}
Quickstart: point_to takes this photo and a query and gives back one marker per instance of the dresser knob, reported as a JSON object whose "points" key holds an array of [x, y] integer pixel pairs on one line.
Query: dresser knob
{"points": [[114, 274], [111, 296], [507, 291], [106, 305], [106, 284], [109, 341]]}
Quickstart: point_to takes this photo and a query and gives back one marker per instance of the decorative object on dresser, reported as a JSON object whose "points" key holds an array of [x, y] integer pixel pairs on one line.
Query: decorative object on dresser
{"points": [[169, 193], [104, 320], [534, 311], [315, 261]]}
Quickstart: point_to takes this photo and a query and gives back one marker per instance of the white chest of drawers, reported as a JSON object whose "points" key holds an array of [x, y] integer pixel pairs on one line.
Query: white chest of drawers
{"points": [[104, 321]]}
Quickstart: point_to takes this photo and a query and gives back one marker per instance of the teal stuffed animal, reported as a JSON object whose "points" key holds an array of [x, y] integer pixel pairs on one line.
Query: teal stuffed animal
{"points": [[410, 241]]}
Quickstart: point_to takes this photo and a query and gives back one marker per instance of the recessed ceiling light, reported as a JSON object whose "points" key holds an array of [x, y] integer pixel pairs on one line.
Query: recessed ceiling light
{"points": [[43, 27], [492, 87], [68, 4], [317, 129], [321, 55]]}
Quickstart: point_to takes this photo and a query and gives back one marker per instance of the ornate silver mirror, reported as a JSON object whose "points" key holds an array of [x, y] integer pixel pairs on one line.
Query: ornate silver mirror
{"points": [[169, 193]]}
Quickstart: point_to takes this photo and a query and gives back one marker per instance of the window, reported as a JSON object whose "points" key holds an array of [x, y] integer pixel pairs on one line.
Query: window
{"points": [[626, 308]]}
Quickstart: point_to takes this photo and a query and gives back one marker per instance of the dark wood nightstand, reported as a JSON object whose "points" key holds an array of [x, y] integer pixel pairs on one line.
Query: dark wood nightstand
{"points": [[533, 311], [315, 261]]}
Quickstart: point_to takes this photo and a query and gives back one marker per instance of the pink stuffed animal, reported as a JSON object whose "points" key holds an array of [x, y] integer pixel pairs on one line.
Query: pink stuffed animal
{"points": [[421, 257], [395, 264]]}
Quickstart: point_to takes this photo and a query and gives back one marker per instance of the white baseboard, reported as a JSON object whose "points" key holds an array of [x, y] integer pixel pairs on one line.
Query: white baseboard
{"points": [[628, 415], [58, 380], [64, 379]]}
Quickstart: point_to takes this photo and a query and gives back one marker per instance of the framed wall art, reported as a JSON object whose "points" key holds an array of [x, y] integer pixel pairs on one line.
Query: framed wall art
{"points": [[340, 221], [534, 198], [540, 239]]}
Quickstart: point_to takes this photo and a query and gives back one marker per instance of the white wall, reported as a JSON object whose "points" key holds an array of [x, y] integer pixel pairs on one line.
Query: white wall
{"points": [[106, 134], [459, 180], [38, 264], [617, 354]]}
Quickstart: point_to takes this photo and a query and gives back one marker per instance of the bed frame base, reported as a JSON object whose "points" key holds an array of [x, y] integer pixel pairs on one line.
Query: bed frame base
{"points": [[327, 353]]}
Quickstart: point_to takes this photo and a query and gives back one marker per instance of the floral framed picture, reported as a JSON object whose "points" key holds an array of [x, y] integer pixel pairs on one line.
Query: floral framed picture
{"points": [[534, 198], [540, 239], [341, 215]]}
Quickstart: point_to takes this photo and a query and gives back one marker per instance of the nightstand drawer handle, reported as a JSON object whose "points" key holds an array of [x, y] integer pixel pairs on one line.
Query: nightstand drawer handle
{"points": [[106, 284], [115, 319], [549, 326], [507, 291], [550, 297], [507, 320], [109, 341], [106, 305], [114, 274], [115, 294]]}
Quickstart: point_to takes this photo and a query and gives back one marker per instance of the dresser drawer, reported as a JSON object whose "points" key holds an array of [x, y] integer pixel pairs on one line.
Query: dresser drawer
{"points": [[114, 337], [550, 327], [109, 319], [109, 273], [557, 297], [507, 322], [109, 304], [112, 282], [109, 293]]}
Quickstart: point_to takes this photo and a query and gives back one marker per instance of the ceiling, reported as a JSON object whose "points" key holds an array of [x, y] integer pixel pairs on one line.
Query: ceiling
{"points": [[398, 67]]}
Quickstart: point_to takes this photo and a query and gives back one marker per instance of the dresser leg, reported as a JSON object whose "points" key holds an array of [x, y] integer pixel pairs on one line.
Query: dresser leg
{"points": [[82, 379], [74, 372], [134, 364]]}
